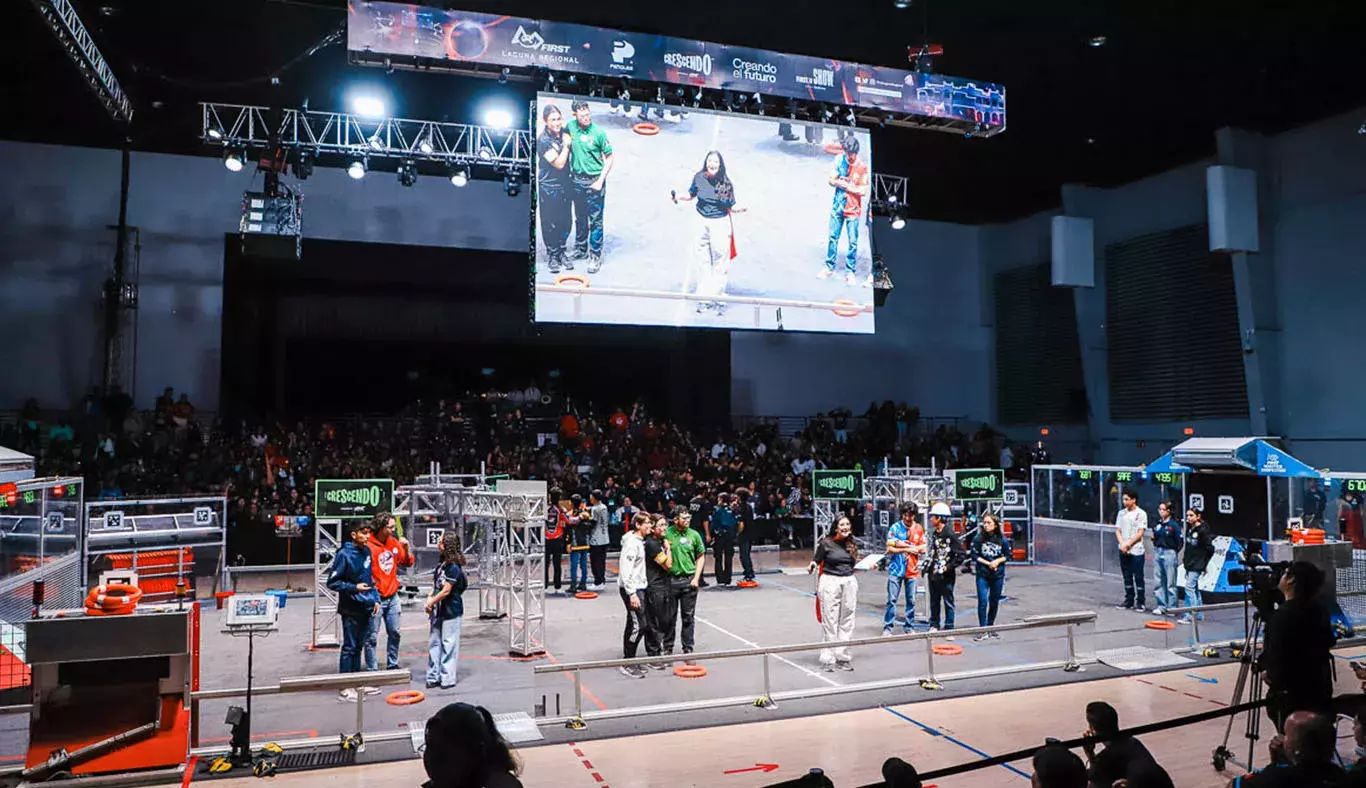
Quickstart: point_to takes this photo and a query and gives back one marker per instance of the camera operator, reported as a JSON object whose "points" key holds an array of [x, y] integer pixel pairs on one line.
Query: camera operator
{"points": [[1297, 659]]}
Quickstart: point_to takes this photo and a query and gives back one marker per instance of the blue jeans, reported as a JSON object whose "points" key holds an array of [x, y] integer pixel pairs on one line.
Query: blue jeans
{"points": [[988, 597], [354, 631], [443, 654], [849, 225], [895, 586], [1164, 577], [588, 206], [578, 568], [941, 593], [389, 614], [1131, 566], [1193, 592]]}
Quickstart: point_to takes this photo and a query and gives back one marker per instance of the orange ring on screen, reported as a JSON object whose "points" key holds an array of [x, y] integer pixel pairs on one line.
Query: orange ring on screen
{"points": [[1160, 625], [586, 595], [855, 311], [405, 698], [947, 649], [645, 129], [690, 671], [834, 148], [747, 584], [573, 279]]}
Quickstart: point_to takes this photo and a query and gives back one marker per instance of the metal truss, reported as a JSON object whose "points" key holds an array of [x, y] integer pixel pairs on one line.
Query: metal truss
{"points": [[237, 125], [326, 624], [823, 513], [80, 47], [888, 191]]}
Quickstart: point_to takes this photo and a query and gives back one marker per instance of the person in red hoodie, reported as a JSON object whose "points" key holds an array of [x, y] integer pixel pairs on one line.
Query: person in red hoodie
{"points": [[388, 554]]}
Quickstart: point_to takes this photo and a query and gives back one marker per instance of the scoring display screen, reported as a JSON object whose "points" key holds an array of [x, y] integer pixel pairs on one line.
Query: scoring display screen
{"points": [[1354, 485], [705, 219]]}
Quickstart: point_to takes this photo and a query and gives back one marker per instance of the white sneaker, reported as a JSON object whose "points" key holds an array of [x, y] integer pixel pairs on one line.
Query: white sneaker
{"points": [[850, 279], [825, 273], [371, 690], [1159, 611], [886, 633], [347, 695]]}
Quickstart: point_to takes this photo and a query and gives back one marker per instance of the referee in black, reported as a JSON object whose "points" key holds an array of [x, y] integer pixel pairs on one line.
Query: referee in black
{"points": [[1297, 660]]}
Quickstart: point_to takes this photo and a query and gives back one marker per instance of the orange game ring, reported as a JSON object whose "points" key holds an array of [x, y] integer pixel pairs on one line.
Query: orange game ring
{"points": [[645, 129], [1160, 625], [112, 599], [405, 697], [574, 279], [947, 649], [855, 312], [586, 595], [747, 584], [834, 148], [690, 671]]}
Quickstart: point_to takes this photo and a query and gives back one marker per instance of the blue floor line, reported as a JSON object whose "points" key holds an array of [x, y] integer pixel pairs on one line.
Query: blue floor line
{"points": [[933, 732], [1006, 653]]}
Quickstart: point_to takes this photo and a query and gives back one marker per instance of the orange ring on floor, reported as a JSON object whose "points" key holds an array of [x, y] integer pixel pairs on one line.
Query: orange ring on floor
{"points": [[690, 671], [586, 595], [405, 697], [855, 312], [947, 649], [580, 279], [747, 584], [834, 148], [645, 129], [1160, 625]]}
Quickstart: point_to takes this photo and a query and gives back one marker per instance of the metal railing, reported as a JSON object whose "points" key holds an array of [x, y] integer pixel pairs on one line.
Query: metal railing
{"points": [[767, 697], [1199, 610]]}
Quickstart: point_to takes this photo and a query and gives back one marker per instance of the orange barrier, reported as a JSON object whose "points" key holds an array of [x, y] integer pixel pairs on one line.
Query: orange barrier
{"points": [[690, 671], [1160, 625], [115, 599], [405, 698], [221, 597], [586, 595], [946, 649], [645, 129]]}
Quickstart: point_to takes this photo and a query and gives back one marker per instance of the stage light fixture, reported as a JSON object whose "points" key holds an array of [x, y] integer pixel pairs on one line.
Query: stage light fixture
{"points": [[356, 169], [375, 142], [1097, 41], [407, 172], [901, 5], [234, 160], [303, 166], [898, 220], [503, 75], [850, 117], [485, 153], [499, 119], [368, 107], [511, 185], [425, 145], [459, 176], [573, 80], [215, 132]]}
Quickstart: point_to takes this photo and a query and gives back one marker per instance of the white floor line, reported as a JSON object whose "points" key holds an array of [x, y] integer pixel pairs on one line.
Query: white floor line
{"points": [[778, 657]]}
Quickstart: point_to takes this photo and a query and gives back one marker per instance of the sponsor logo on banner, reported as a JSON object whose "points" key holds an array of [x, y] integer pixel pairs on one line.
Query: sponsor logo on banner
{"points": [[697, 64], [1272, 465], [818, 78], [623, 54], [753, 71], [533, 47], [534, 40]]}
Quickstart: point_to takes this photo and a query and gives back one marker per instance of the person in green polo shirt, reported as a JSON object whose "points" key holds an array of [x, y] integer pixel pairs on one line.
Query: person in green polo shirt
{"points": [[590, 160], [689, 559]]}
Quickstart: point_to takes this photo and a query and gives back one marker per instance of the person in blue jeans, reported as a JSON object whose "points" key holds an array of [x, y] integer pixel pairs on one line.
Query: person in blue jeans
{"points": [[580, 529], [1166, 550], [850, 177], [1199, 551], [905, 546], [445, 610], [357, 600], [942, 559], [990, 552]]}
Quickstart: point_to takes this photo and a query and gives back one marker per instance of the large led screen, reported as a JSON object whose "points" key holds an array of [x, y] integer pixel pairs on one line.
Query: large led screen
{"points": [[704, 219]]}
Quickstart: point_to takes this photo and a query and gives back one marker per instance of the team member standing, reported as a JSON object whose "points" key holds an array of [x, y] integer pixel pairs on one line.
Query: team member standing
{"points": [[714, 193], [1166, 549], [850, 179], [746, 533], [599, 537], [724, 523], [580, 526], [1199, 551], [556, 521], [357, 600], [943, 556], [990, 552], [837, 592], [554, 187], [446, 610], [631, 583], [388, 554], [688, 559], [658, 563], [589, 164], [905, 546], [1130, 526]]}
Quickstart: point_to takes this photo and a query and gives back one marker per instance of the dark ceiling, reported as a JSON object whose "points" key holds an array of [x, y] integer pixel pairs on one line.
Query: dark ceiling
{"points": [[1169, 74]]}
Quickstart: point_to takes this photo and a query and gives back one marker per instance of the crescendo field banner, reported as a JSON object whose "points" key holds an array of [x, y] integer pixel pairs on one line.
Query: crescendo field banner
{"points": [[404, 30]]}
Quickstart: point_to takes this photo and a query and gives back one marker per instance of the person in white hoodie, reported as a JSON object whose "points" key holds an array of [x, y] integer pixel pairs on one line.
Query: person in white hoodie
{"points": [[631, 582]]}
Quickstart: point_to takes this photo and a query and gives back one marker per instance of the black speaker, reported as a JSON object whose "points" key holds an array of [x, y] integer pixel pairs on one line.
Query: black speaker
{"points": [[272, 227]]}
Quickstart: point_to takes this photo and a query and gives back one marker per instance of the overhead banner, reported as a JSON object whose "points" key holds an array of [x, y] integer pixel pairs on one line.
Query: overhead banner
{"points": [[837, 485], [979, 484], [348, 499], [403, 30]]}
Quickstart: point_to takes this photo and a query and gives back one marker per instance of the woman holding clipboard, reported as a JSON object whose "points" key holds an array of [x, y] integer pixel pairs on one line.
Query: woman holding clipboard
{"points": [[836, 592]]}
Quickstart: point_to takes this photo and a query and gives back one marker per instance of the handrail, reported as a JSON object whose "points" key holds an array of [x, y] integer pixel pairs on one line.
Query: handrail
{"points": [[1217, 606]]}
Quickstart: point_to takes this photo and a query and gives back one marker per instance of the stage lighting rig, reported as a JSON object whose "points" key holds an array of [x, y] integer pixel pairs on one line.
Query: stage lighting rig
{"points": [[512, 184], [459, 176], [407, 172], [66, 25], [901, 5], [356, 169], [234, 159], [303, 164]]}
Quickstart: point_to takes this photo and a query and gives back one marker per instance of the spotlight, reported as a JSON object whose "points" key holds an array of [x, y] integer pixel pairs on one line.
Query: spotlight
{"points": [[356, 169], [303, 167], [375, 142], [827, 113], [459, 176], [503, 75], [852, 120], [499, 119], [368, 107], [901, 5], [215, 132], [511, 185], [891, 199], [1362, 128], [1096, 41], [573, 80], [425, 145], [233, 160], [485, 153], [407, 172], [898, 220]]}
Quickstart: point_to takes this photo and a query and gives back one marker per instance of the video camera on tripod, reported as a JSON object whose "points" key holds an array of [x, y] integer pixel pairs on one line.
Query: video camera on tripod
{"points": [[1260, 579]]}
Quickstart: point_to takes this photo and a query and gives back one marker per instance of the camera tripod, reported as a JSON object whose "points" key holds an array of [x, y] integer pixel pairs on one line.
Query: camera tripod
{"points": [[1250, 681]]}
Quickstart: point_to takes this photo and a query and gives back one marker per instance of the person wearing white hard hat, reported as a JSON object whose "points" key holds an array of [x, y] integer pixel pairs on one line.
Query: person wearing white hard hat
{"points": [[942, 559]]}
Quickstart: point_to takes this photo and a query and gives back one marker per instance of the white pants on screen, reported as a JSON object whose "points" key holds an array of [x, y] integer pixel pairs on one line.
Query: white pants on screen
{"points": [[838, 596], [712, 255]]}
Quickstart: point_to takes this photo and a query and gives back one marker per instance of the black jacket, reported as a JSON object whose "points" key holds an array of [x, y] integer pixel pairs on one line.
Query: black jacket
{"points": [[944, 554], [1199, 548], [1298, 655]]}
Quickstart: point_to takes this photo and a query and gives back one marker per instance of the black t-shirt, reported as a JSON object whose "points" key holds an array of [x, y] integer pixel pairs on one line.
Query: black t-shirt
{"points": [[656, 576], [546, 174], [834, 559], [1298, 653], [700, 508], [1305, 775], [714, 200], [1117, 759]]}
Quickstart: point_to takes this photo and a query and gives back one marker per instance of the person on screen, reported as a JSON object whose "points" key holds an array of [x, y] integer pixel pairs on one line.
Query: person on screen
{"points": [[589, 164], [850, 179], [554, 188], [714, 194]]}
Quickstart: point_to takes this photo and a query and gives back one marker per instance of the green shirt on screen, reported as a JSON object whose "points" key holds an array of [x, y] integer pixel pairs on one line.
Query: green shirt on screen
{"points": [[686, 547], [590, 148]]}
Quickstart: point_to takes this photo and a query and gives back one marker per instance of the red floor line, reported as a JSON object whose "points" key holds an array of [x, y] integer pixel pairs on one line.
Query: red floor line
{"points": [[579, 753], [586, 693], [597, 777], [1197, 697], [1169, 689], [189, 771]]}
